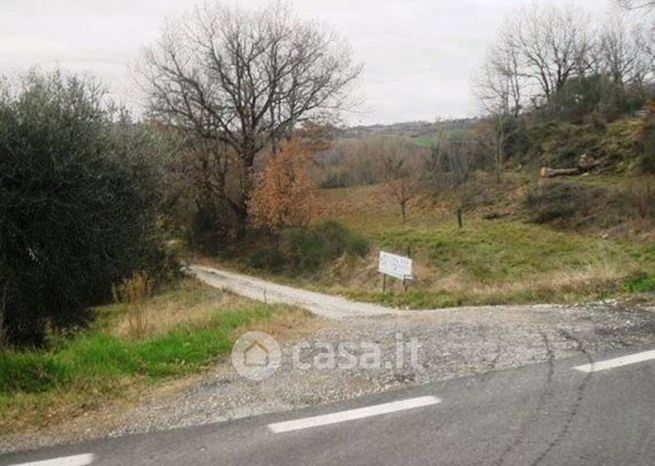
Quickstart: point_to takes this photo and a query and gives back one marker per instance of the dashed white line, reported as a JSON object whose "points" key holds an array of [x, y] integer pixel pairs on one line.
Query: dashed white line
{"points": [[353, 414], [77, 460], [598, 366]]}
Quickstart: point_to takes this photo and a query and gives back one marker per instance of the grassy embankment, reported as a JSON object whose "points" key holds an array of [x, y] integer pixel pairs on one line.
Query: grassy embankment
{"points": [[502, 255], [183, 332]]}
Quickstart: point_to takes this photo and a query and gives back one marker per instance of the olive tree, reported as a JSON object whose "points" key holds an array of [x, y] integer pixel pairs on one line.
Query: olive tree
{"points": [[78, 199]]}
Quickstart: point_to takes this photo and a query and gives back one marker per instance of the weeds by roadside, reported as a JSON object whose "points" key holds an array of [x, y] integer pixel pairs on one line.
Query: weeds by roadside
{"points": [[191, 327], [134, 293]]}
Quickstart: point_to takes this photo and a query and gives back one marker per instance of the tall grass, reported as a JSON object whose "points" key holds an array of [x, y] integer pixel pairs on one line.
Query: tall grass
{"points": [[134, 293]]}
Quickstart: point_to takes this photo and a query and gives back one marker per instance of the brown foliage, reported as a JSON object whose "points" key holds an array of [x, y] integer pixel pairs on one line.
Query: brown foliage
{"points": [[283, 193]]}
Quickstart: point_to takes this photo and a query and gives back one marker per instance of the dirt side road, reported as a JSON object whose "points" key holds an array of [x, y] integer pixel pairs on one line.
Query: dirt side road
{"points": [[321, 304], [453, 343]]}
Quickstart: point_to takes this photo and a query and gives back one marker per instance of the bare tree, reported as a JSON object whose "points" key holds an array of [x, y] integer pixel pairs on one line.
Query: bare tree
{"points": [[246, 78], [500, 85], [621, 53], [538, 50], [646, 42], [448, 170], [552, 44], [402, 185], [401, 172], [499, 89]]}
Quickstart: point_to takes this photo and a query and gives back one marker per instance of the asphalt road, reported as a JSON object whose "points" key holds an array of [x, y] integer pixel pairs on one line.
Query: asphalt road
{"points": [[540, 414]]}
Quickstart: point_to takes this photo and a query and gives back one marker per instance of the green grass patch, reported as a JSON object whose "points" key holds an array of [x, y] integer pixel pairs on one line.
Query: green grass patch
{"points": [[501, 252], [100, 358], [642, 282]]}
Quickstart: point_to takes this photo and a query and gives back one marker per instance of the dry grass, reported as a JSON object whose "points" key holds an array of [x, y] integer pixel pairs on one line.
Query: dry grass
{"points": [[134, 294], [589, 281], [641, 193], [194, 304], [291, 325], [433, 289], [191, 303], [110, 368]]}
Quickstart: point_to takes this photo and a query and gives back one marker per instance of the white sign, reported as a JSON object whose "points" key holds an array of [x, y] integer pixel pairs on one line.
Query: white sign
{"points": [[396, 266]]}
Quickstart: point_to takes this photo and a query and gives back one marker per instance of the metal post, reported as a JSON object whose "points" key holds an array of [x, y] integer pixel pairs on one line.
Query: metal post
{"points": [[409, 254]]}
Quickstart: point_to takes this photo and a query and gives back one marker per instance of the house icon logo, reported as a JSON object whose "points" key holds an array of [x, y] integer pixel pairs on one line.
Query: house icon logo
{"points": [[256, 355]]}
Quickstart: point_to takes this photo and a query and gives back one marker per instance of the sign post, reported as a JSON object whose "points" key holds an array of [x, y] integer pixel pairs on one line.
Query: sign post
{"points": [[395, 266]]}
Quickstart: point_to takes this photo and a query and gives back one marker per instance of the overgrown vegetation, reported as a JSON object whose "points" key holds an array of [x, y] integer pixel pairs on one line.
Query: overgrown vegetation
{"points": [[134, 293], [191, 327], [576, 206], [501, 255], [298, 250]]}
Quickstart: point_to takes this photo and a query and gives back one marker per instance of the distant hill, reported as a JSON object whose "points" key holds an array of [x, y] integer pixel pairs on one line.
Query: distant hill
{"points": [[421, 132]]}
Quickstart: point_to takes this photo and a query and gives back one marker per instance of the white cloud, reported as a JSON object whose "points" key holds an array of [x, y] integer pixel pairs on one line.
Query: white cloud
{"points": [[419, 55]]}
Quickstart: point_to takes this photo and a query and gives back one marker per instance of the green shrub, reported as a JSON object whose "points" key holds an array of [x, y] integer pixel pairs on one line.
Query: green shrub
{"points": [[268, 258], [334, 180], [298, 250]]}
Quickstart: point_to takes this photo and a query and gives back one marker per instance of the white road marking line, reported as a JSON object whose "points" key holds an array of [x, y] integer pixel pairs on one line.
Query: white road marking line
{"points": [[598, 366], [77, 460], [353, 414]]}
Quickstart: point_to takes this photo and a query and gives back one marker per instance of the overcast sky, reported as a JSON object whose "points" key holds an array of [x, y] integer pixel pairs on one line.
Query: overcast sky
{"points": [[419, 55]]}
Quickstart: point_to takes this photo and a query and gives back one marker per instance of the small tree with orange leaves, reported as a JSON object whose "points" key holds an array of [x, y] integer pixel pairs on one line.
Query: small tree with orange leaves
{"points": [[283, 193]]}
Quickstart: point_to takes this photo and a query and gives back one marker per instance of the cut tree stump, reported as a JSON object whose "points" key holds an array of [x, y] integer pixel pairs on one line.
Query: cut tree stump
{"points": [[585, 165]]}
